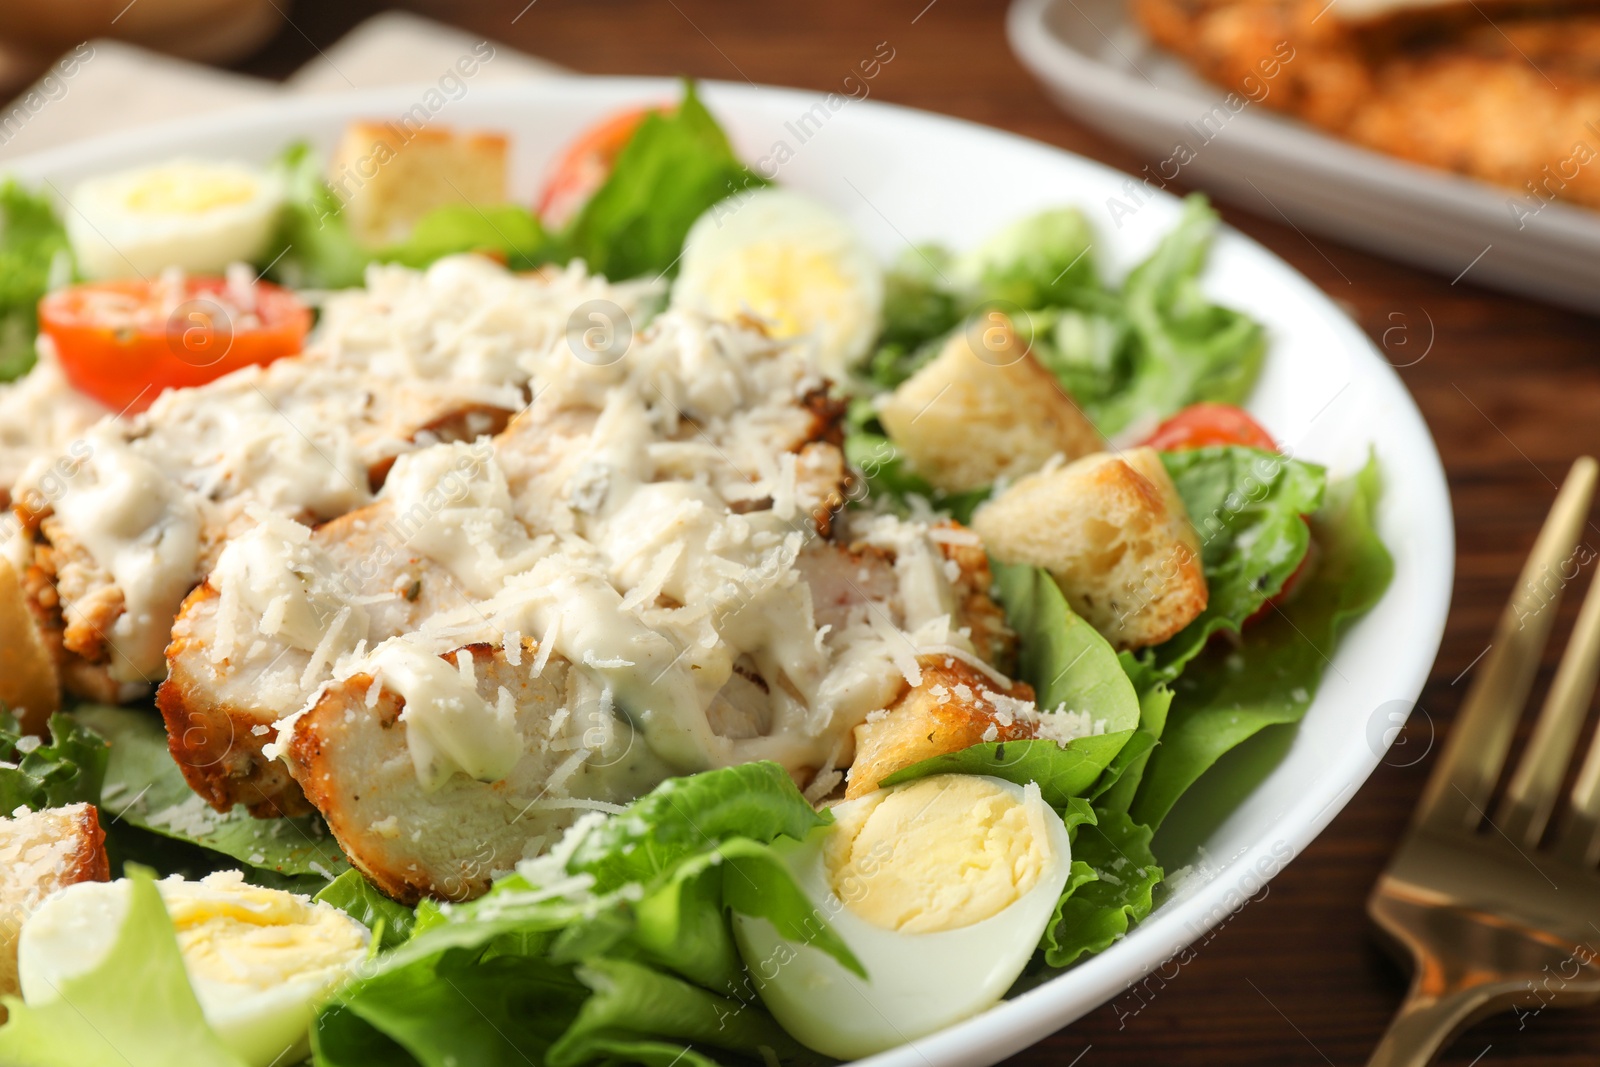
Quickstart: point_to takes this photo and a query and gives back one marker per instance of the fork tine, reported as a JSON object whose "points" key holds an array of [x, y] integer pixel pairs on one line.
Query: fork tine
{"points": [[1464, 777], [1531, 796], [1580, 836]]}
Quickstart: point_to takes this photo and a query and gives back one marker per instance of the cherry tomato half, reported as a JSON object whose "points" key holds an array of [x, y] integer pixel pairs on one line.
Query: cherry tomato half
{"points": [[1200, 425], [123, 342], [586, 164]]}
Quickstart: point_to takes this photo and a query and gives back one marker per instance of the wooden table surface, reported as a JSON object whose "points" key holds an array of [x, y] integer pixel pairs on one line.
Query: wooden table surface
{"points": [[1510, 388]]}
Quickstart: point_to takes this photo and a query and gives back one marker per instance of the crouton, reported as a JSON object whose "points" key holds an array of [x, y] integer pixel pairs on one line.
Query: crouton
{"points": [[970, 418], [953, 707], [1112, 531], [389, 175], [41, 852], [351, 755], [29, 688]]}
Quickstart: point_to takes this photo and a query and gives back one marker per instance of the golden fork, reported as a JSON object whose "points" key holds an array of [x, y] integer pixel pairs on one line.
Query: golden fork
{"points": [[1493, 917]]}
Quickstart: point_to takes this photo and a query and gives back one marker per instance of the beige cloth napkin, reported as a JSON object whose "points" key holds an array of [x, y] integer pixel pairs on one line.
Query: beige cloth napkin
{"points": [[119, 86]]}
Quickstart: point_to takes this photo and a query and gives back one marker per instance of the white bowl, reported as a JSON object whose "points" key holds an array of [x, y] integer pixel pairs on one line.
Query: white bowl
{"points": [[906, 176]]}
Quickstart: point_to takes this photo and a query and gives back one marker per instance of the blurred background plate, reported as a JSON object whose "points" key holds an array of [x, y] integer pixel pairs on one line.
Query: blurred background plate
{"points": [[1099, 66]]}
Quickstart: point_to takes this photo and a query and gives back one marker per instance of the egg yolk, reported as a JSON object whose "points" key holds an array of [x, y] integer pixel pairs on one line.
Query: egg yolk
{"points": [[256, 937], [794, 289], [178, 191], [941, 853]]}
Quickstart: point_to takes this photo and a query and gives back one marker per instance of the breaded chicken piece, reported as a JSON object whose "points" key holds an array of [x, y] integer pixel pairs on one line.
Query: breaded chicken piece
{"points": [[952, 708], [1505, 95], [219, 714], [351, 755]]}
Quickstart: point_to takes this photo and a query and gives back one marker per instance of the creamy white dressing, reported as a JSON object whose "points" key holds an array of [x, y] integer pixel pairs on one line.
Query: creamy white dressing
{"points": [[298, 437], [452, 505], [143, 530], [647, 520], [273, 581], [450, 728]]}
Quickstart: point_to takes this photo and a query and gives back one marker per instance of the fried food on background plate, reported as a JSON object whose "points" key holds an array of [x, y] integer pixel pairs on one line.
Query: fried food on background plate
{"points": [[1507, 93]]}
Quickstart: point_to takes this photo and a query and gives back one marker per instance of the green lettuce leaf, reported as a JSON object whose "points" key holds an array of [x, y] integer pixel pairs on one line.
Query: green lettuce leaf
{"points": [[1043, 260], [634, 1005], [1117, 787], [1269, 677], [33, 246], [507, 232], [313, 246], [144, 787], [358, 898], [67, 770], [1070, 667], [1181, 348], [450, 1011], [1246, 507], [618, 944], [1109, 889], [135, 1009], [672, 170], [683, 817]]}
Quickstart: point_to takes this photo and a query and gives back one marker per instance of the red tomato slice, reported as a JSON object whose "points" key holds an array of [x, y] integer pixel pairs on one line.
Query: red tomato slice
{"points": [[586, 164], [1200, 425], [125, 341]]}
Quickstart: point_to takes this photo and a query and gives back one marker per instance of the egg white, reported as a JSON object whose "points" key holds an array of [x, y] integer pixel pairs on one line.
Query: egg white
{"points": [[196, 215], [278, 973], [917, 983], [791, 262]]}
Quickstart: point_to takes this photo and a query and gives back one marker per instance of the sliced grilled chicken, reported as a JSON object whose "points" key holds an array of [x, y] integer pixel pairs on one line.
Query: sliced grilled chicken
{"points": [[355, 753], [221, 703]]}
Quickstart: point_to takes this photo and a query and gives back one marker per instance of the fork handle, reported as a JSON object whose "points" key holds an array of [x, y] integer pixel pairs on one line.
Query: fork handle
{"points": [[1426, 1023]]}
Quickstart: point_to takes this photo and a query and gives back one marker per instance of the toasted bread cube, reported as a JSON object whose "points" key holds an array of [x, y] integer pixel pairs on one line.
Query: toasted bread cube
{"points": [[954, 706], [969, 419], [29, 687], [1113, 532], [41, 852], [390, 174]]}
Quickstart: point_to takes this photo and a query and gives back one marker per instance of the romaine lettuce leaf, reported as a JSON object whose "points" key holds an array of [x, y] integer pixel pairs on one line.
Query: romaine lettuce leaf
{"points": [[1115, 789], [1109, 890], [358, 898], [313, 247], [682, 817], [672, 170], [450, 1011], [1070, 667], [1246, 506], [144, 787], [629, 920], [635, 1006], [1043, 260], [67, 770], [135, 1009], [1181, 347], [506, 232], [1270, 676], [33, 248]]}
